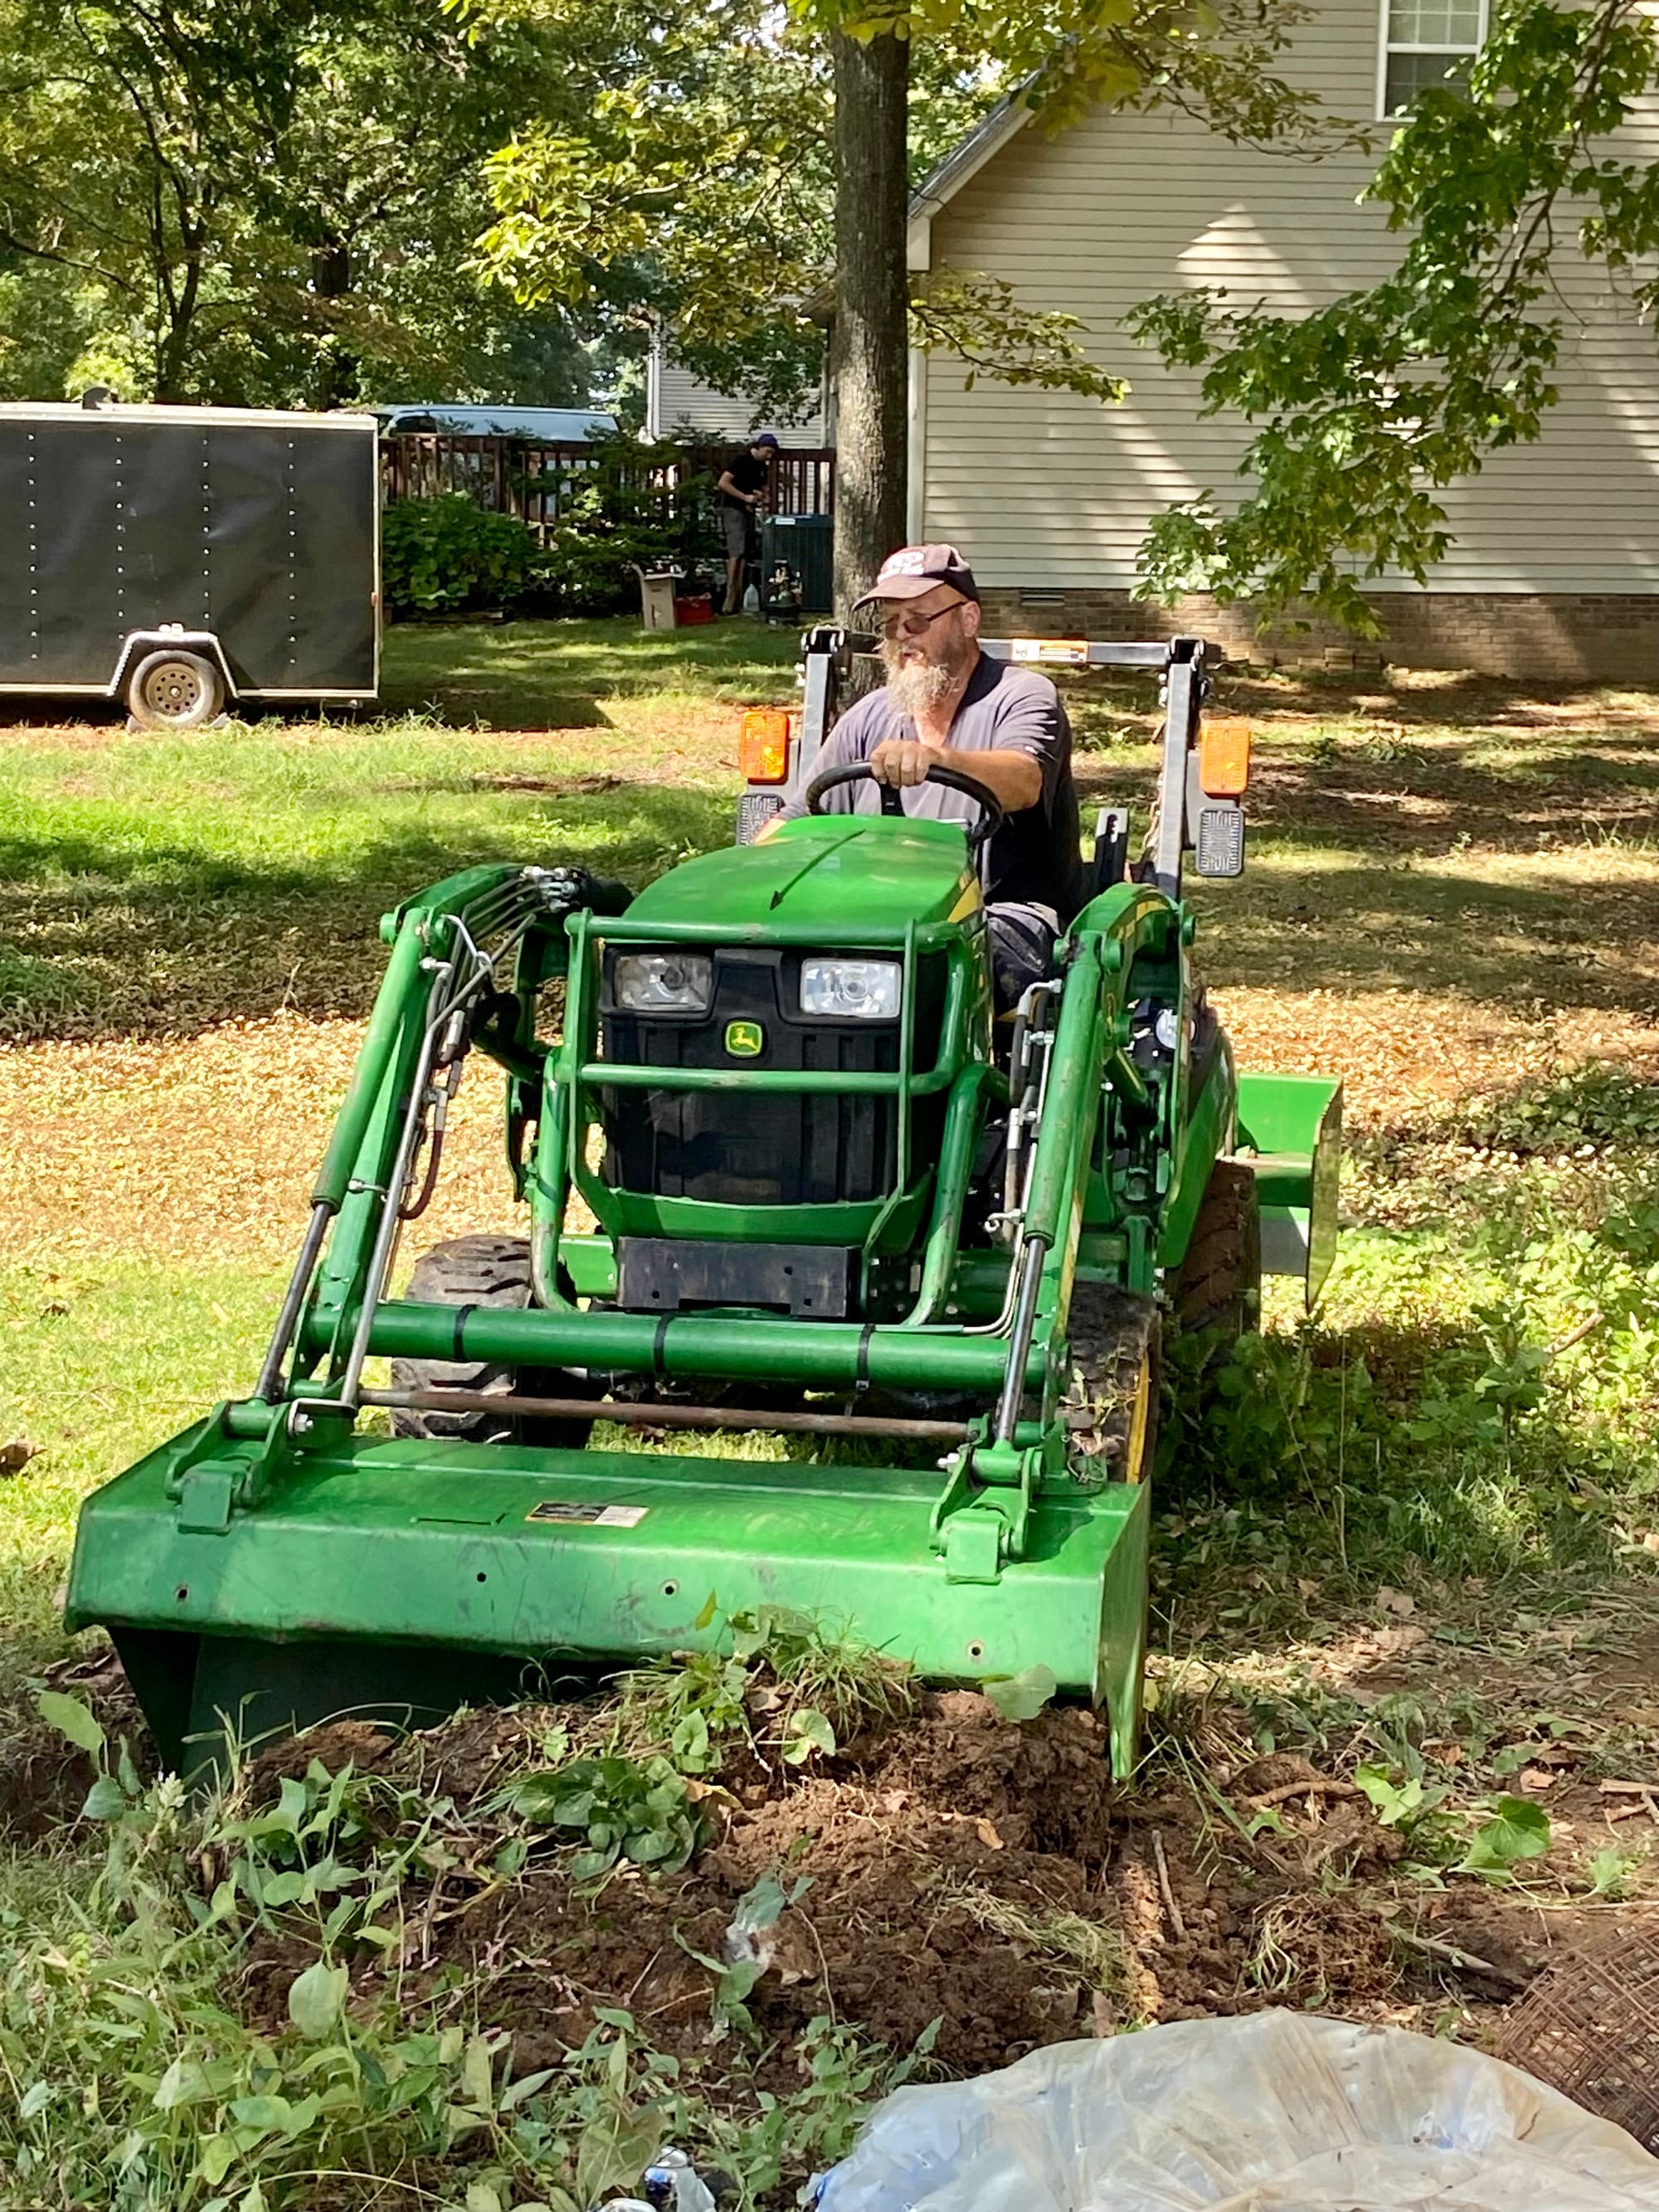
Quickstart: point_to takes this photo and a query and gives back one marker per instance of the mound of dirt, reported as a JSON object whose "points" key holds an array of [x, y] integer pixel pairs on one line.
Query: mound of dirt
{"points": [[962, 1870]]}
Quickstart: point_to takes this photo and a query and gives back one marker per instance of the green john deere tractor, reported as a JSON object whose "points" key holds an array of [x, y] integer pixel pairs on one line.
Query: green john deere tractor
{"points": [[831, 1198]]}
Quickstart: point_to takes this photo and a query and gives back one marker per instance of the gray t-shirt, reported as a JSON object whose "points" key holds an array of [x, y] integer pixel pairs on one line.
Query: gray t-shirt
{"points": [[1034, 858]]}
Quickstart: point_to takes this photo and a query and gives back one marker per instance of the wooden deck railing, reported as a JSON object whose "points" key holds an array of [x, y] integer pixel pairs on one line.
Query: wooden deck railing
{"points": [[533, 480]]}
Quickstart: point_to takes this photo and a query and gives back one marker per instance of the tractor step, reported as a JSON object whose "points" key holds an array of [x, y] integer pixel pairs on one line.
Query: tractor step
{"points": [[383, 1575]]}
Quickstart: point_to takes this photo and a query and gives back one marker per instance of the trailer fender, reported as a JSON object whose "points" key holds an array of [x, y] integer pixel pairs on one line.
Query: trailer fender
{"points": [[139, 644]]}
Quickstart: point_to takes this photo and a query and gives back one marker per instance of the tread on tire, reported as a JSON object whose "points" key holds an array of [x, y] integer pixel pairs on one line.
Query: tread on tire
{"points": [[484, 1271]]}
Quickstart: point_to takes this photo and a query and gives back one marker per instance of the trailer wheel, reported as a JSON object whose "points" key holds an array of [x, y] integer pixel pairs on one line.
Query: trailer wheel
{"points": [[1113, 1343], [484, 1271], [175, 691], [1219, 1285]]}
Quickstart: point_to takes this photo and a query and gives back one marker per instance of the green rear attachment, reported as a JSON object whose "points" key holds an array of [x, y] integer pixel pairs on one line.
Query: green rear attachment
{"points": [[778, 1168], [1289, 1134]]}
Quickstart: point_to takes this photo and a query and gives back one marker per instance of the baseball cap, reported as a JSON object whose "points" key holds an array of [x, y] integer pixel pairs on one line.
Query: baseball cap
{"points": [[915, 569], [765, 439]]}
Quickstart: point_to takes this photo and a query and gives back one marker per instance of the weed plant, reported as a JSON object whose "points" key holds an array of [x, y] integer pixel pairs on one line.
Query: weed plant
{"points": [[133, 2076]]}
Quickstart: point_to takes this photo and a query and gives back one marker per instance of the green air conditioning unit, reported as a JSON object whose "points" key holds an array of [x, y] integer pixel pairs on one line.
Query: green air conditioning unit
{"points": [[800, 547]]}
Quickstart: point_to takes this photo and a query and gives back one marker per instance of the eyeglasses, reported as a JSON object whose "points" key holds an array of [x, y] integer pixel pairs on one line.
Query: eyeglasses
{"points": [[914, 625]]}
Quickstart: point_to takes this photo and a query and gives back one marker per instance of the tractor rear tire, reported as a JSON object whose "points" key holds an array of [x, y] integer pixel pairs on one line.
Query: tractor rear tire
{"points": [[1111, 1404], [484, 1271], [1219, 1285]]}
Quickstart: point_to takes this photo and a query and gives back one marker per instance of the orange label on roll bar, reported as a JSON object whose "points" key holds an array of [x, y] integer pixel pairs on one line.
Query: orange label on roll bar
{"points": [[1067, 652]]}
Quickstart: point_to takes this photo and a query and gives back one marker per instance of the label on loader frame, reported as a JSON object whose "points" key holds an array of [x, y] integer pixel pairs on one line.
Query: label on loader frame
{"points": [[596, 1516]]}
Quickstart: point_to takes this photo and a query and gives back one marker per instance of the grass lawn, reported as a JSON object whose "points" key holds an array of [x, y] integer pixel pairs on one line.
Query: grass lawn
{"points": [[1414, 1542]]}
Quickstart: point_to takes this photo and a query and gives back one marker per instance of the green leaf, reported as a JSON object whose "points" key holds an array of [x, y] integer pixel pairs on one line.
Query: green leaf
{"points": [[808, 1731], [1518, 1830], [261, 2113], [72, 1719], [1393, 1801], [292, 1804], [763, 1906], [526, 2086], [706, 1617], [1609, 1871], [477, 2072], [651, 1846], [316, 1999], [184, 2082], [1021, 1697], [105, 1801], [216, 2157], [34, 2100]]}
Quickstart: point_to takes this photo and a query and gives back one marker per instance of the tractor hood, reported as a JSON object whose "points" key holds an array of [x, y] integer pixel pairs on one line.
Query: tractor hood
{"points": [[878, 873]]}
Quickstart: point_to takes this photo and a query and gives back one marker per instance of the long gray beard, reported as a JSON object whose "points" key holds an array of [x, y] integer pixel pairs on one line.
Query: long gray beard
{"points": [[915, 686]]}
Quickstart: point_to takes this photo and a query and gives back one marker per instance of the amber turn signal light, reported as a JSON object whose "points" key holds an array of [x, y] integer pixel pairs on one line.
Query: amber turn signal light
{"points": [[763, 748], [1223, 758]]}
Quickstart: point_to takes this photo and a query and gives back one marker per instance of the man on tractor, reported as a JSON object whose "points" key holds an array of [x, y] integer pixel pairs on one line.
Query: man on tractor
{"points": [[947, 704]]}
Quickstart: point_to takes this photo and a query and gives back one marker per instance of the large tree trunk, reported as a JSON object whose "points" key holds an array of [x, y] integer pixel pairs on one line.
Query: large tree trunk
{"points": [[869, 354], [334, 382]]}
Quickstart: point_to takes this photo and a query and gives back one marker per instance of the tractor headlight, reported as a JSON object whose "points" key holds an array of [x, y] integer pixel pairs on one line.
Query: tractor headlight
{"points": [[857, 990], [663, 982]]}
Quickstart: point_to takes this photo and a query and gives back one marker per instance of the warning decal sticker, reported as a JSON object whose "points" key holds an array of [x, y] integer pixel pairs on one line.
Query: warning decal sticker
{"points": [[596, 1516]]}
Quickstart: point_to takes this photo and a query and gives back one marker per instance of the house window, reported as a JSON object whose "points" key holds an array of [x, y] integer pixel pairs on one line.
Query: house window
{"points": [[1427, 42]]}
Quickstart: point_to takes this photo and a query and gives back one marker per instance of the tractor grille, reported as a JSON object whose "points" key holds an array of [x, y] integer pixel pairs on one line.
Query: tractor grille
{"points": [[737, 1149]]}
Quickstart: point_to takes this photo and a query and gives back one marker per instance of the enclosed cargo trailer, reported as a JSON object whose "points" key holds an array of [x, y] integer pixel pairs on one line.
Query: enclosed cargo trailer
{"points": [[188, 558]]}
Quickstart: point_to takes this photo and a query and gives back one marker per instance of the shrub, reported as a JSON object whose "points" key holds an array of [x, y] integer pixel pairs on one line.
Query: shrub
{"points": [[442, 556], [619, 512]]}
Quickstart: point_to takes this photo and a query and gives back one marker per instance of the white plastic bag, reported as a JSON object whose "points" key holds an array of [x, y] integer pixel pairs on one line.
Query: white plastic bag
{"points": [[1276, 2112]]}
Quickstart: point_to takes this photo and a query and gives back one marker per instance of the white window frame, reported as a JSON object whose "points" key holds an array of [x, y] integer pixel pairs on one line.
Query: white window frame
{"points": [[1385, 46]]}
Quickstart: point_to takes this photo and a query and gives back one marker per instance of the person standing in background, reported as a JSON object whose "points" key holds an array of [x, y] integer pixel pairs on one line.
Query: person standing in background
{"points": [[740, 489]]}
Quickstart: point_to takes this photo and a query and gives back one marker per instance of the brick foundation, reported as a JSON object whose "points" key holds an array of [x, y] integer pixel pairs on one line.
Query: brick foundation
{"points": [[1564, 637]]}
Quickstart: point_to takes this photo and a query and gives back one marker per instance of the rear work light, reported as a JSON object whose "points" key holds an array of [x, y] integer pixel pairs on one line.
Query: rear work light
{"points": [[1223, 758], [763, 747]]}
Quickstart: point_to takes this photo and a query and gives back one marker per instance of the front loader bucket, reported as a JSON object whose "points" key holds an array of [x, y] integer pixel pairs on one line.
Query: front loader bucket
{"points": [[402, 1577]]}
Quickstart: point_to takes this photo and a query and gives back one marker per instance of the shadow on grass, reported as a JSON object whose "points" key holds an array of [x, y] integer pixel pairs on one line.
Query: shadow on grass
{"points": [[1503, 944], [98, 941], [1432, 803], [538, 676], [1428, 699]]}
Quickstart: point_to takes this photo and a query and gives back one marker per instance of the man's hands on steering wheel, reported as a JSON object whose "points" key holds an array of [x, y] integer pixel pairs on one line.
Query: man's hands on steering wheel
{"points": [[931, 770], [904, 761]]}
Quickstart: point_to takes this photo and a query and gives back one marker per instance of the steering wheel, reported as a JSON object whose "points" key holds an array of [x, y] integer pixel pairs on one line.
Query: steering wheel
{"points": [[993, 813]]}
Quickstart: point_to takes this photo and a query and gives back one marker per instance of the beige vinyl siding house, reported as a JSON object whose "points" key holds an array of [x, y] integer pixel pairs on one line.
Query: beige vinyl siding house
{"points": [[677, 403], [1554, 567]]}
